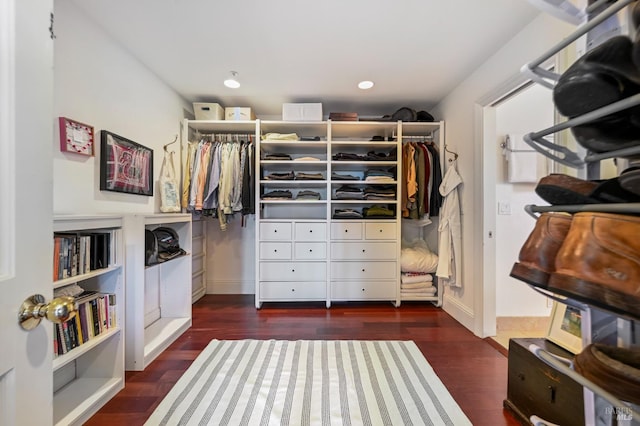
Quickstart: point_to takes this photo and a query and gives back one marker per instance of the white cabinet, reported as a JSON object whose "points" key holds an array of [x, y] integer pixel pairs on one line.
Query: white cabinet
{"points": [[159, 297], [292, 200], [89, 375], [364, 261], [327, 203]]}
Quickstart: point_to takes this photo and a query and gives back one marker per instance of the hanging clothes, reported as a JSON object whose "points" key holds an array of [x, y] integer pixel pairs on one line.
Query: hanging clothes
{"points": [[450, 236], [420, 180], [219, 177]]}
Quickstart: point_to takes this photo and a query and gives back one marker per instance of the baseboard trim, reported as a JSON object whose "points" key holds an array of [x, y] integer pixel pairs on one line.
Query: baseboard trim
{"points": [[231, 287], [461, 313]]}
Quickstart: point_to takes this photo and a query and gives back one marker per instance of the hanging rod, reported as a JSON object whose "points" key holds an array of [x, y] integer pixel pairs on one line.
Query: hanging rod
{"points": [[622, 208], [532, 69], [569, 158]]}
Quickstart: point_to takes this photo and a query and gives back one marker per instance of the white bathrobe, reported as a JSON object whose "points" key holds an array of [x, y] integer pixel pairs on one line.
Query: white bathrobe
{"points": [[450, 242]]}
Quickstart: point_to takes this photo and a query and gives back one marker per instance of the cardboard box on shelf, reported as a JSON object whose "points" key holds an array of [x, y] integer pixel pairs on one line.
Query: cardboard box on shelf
{"points": [[208, 111], [302, 112], [239, 114]]}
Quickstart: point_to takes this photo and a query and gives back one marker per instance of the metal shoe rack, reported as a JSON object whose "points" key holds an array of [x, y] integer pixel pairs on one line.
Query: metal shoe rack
{"points": [[598, 325]]}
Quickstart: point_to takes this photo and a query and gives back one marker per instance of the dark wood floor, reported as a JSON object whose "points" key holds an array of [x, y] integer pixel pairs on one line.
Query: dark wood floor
{"points": [[471, 368]]}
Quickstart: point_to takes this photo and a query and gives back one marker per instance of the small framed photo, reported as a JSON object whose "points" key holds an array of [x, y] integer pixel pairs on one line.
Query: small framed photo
{"points": [[76, 137], [125, 166], [565, 327]]}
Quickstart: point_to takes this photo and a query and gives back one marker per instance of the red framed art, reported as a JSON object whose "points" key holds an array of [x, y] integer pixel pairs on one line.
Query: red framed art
{"points": [[76, 137]]}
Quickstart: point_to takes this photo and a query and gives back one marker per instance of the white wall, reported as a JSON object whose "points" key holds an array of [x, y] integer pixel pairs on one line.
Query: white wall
{"points": [[529, 110], [463, 135], [231, 257], [98, 82]]}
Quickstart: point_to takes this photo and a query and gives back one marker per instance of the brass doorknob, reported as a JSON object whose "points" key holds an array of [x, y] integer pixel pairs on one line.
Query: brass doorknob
{"points": [[34, 308]]}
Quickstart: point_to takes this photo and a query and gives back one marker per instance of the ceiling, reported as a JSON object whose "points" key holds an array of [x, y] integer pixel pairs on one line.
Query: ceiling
{"points": [[416, 51]]}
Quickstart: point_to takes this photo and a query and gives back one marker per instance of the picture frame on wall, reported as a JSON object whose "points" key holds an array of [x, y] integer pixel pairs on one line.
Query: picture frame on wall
{"points": [[565, 327], [76, 137], [125, 165]]}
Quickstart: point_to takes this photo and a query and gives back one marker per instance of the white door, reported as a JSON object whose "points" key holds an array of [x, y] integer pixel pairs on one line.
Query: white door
{"points": [[26, 141]]}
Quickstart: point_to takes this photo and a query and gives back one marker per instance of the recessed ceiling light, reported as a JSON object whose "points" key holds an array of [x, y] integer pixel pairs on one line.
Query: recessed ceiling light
{"points": [[364, 85], [232, 82]]}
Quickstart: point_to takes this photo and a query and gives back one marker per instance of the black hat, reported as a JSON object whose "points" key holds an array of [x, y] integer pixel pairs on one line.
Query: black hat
{"points": [[424, 116]]}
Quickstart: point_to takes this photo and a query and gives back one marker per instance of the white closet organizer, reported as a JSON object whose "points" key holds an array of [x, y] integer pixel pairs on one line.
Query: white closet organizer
{"points": [[304, 250], [365, 252], [88, 376], [159, 296], [198, 259], [415, 229], [291, 249]]}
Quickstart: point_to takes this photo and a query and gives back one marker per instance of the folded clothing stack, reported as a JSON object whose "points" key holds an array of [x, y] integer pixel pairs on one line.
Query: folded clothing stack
{"points": [[417, 284]]}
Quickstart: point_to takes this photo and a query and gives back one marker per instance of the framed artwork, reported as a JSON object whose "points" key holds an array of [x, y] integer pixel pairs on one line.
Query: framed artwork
{"points": [[76, 137], [125, 166], [565, 327]]}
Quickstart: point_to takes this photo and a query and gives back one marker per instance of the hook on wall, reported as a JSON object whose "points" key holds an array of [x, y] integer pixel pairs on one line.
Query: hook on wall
{"points": [[455, 154], [167, 145]]}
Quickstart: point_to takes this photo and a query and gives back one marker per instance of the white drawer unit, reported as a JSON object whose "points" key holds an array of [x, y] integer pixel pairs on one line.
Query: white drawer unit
{"points": [[310, 251], [363, 270], [284, 291], [363, 251], [346, 231], [380, 231], [363, 290], [275, 250], [275, 231], [293, 271], [310, 231]]}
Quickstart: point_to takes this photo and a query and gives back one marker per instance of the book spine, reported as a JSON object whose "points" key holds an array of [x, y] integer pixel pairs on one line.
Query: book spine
{"points": [[78, 327], [67, 337], [96, 318], [62, 347], [112, 310]]}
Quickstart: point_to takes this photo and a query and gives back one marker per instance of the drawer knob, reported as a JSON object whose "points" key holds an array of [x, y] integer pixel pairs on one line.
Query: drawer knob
{"points": [[275, 231], [363, 250], [362, 269], [380, 230], [293, 289], [310, 250], [363, 289], [275, 250], [310, 230], [293, 270], [346, 230]]}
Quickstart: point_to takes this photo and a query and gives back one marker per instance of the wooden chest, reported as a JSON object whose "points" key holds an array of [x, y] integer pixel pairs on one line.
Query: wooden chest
{"points": [[534, 388]]}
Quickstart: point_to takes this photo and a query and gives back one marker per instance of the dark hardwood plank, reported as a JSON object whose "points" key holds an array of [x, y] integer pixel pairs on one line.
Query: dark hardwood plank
{"points": [[473, 371]]}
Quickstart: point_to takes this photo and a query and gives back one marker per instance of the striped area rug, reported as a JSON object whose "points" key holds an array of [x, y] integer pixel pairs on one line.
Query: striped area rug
{"points": [[309, 382]]}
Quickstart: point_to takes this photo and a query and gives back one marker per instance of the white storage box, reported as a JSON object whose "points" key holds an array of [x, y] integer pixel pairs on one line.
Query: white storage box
{"points": [[302, 112], [239, 114], [206, 111]]}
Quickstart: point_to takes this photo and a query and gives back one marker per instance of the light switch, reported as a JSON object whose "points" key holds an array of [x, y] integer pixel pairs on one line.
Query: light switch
{"points": [[504, 208]]}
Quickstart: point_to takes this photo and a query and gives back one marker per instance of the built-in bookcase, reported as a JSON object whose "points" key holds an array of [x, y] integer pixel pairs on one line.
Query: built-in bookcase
{"points": [[159, 296], [89, 371]]}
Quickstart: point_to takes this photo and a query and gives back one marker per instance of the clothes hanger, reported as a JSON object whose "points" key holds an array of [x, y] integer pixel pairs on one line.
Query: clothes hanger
{"points": [[174, 141]]}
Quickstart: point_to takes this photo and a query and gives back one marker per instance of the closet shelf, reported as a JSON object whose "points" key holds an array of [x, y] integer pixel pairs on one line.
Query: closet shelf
{"points": [[564, 366]]}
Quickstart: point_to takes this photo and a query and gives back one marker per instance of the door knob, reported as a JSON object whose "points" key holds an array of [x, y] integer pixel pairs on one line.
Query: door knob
{"points": [[34, 308]]}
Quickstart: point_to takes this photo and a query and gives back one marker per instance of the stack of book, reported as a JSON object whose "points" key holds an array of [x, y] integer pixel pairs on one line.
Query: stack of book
{"points": [[79, 253], [96, 314]]}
